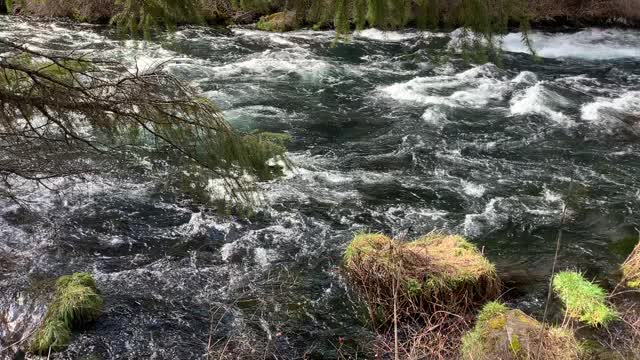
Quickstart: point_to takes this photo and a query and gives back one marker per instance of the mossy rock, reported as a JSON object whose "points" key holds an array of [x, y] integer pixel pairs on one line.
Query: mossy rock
{"points": [[76, 302], [583, 300], [435, 272], [502, 333], [631, 269], [279, 22]]}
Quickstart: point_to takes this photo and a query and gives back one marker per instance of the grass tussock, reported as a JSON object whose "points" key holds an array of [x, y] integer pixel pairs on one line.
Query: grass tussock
{"points": [[435, 273], [76, 302], [502, 333], [583, 300], [631, 269], [279, 22]]}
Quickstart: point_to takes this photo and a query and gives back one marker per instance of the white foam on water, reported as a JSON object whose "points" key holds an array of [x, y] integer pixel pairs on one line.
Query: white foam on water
{"points": [[388, 36], [472, 88], [608, 111], [279, 39], [590, 44], [471, 189], [460, 38], [434, 116], [538, 100], [197, 225], [263, 256], [525, 77], [323, 36], [474, 224], [551, 196], [273, 63]]}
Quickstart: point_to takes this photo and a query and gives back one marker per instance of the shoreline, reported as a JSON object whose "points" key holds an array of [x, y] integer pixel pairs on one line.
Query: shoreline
{"points": [[546, 26]]}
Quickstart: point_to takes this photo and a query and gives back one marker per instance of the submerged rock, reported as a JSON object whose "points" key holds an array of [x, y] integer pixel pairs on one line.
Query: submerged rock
{"points": [[279, 22], [583, 300], [502, 333], [76, 302], [435, 272]]}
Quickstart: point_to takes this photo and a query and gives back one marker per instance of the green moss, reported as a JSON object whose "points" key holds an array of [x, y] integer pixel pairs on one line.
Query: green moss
{"points": [[279, 22], [583, 299], [502, 333], [516, 347], [76, 302]]}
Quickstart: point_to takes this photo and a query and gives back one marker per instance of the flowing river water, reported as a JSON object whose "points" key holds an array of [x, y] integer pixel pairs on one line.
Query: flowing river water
{"points": [[391, 134]]}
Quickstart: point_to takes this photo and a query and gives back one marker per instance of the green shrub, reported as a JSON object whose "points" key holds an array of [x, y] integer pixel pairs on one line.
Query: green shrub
{"points": [[584, 300]]}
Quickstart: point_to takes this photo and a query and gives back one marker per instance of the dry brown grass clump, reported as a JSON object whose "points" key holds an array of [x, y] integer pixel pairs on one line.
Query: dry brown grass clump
{"points": [[631, 269], [439, 338], [436, 273], [502, 333]]}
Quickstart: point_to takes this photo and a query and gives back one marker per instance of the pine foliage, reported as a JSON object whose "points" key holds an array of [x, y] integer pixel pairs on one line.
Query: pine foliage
{"points": [[57, 114], [145, 16]]}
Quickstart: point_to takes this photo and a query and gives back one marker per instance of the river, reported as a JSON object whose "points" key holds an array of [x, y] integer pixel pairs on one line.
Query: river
{"points": [[392, 132]]}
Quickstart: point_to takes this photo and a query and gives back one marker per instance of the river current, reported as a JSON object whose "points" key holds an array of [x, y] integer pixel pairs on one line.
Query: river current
{"points": [[392, 132]]}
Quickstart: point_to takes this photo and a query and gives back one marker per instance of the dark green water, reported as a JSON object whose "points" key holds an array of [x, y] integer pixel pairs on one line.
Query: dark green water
{"points": [[390, 135]]}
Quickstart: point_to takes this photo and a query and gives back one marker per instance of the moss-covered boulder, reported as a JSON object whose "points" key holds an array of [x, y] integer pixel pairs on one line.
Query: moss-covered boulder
{"points": [[502, 333], [279, 22], [631, 269], [435, 272], [76, 302], [583, 300]]}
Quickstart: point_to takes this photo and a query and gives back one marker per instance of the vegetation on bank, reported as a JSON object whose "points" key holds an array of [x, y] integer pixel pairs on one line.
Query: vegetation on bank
{"points": [[76, 303], [434, 273], [631, 269], [420, 295], [480, 15], [502, 333], [583, 300]]}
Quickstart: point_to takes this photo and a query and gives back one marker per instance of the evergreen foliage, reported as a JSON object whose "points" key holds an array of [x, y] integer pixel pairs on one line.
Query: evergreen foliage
{"points": [[58, 110], [146, 16], [360, 14]]}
